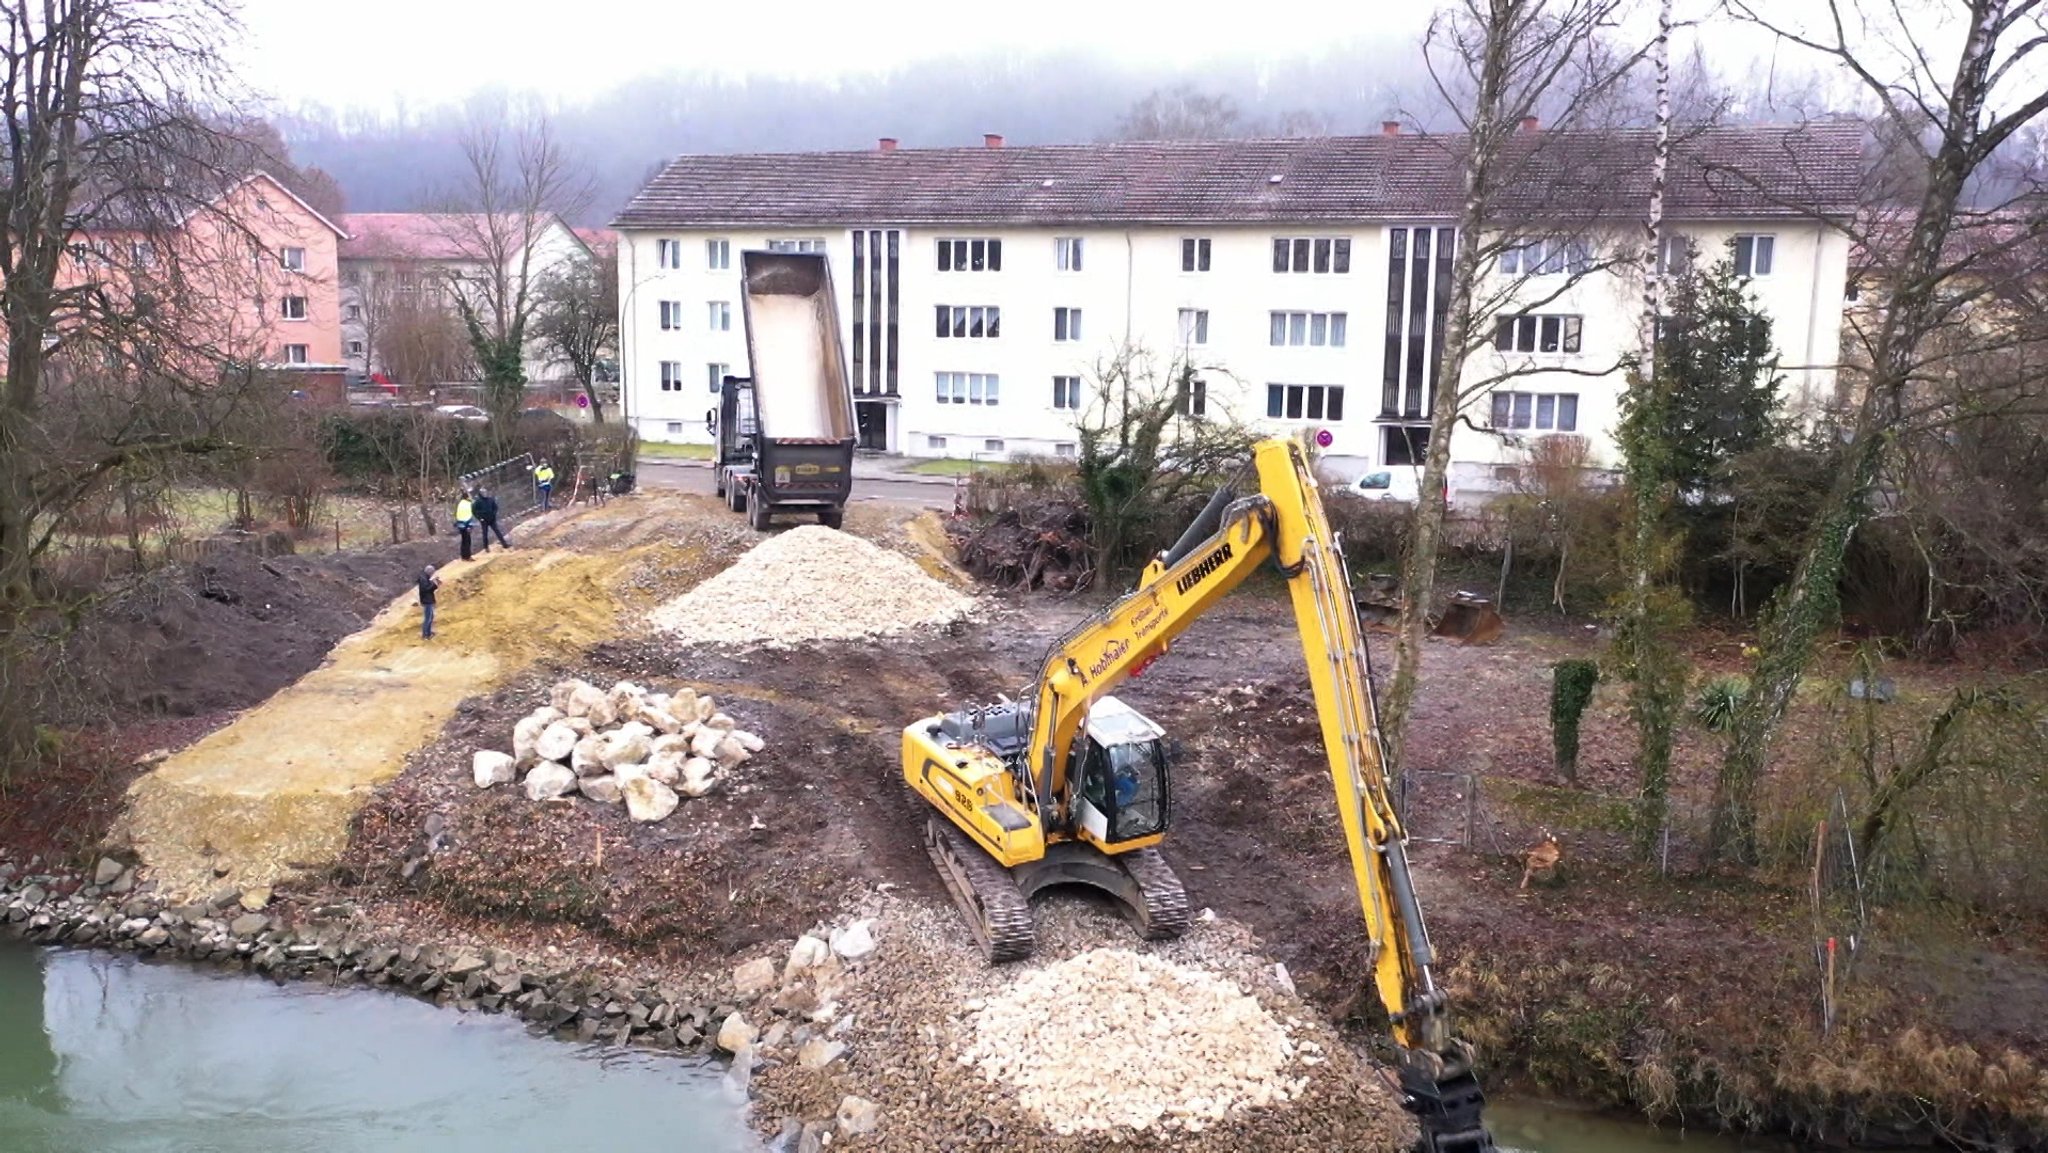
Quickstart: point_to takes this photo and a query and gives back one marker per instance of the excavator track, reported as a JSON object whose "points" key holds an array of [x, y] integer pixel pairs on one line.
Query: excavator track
{"points": [[1163, 915], [995, 908]]}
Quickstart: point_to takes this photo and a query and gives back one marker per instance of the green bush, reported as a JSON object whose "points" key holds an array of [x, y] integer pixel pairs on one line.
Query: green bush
{"points": [[1571, 690]]}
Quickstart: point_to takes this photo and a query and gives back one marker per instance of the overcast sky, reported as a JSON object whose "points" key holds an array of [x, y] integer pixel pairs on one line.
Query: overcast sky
{"points": [[361, 52]]}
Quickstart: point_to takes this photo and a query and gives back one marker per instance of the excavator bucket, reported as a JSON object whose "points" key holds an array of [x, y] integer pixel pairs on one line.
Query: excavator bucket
{"points": [[1470, 620]]}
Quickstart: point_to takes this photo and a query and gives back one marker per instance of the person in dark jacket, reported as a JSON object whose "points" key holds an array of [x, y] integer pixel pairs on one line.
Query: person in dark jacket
{"points": [[428, 583], [486, 508]]}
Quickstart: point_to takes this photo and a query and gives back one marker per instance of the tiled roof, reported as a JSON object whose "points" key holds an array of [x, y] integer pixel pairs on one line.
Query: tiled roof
{"points": [[1745, 172], [600, 241], [419, 235]]}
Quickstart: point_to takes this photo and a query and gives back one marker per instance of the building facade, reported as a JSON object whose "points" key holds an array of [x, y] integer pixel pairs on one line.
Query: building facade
{"points": [[986, 294]]}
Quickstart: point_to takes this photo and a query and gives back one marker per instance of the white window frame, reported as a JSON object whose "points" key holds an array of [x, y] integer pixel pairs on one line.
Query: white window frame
{"points": [[1068, 252], [1549, 257], [297, 354], [1066, 325], [1194, 327], [1194, 253], [993, 444], [1515, 410], [671, 376], [291, 258], [668, 253], [671, 315], [675, 427], [717, 370], [1308, 329], [977, 388], [1327, 255], [1305, 402], [1540, 334], [1066, 449], [355, 348], [937, 442], [967, 322], [717, 254], [352, 312], [1754, 254], [1194, 399], [719, 315], [285, 305], [797, 244], [1066, 393]]}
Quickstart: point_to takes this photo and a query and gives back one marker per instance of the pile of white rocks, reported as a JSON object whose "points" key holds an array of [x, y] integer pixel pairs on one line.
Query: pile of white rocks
{"points": [[1111, 1039], [645, 750]]}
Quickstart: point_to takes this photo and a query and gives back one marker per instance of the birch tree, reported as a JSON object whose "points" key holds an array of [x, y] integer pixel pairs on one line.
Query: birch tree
{"points": [[1947, 100]]}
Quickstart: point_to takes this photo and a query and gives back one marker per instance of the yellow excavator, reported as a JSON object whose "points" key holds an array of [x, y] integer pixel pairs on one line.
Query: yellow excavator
{"points": [[1073, 786]]}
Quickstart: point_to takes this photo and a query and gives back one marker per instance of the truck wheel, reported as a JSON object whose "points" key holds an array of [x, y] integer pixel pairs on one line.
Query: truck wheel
{"points": [[831, 517], [718, 482], [757, 511]]}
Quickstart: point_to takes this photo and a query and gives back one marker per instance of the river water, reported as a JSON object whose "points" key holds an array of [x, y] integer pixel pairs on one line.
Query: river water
{"points": [[1538, 1127], [100, 1053]]}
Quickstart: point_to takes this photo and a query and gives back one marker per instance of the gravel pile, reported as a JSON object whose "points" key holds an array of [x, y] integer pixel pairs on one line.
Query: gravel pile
{"points": [[810, 583], [1112, 1039]]}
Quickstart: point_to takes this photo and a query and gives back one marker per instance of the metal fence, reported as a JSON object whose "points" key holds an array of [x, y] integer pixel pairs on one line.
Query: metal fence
{"points": [[511, 481]]}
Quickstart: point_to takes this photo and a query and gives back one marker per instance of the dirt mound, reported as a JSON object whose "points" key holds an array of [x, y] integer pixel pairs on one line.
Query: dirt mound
{"points": [[227, 631], [810, 583]]}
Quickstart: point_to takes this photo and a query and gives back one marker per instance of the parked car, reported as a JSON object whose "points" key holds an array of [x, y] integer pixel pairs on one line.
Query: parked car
{"points": [[1401, 485], [462, 412]]}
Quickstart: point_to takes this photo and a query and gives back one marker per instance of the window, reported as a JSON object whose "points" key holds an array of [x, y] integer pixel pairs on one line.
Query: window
{"points": [[721, 316], [717, 254], [1305, 401], [672, 316], [1194, 398], [1530, 332], [668, 253], [1675, 253], [293, 259], [352, 312], [935, 442], [1194, 326], [294, 307], [1541, 411], [716, 374], [295, 354], [807, 245], [1315, 329], [1194, 254], [1312, 254], [970, 255], [1546, 258], [969, 322], [1066, 392], [675, 428], [671, 376], [1069, 253], [355, 348], [1753, 255], [1066, 324], [969, 388], [991, 445], [1065, 449]]}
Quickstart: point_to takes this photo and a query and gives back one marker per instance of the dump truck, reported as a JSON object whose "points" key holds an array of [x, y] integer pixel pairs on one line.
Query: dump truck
{"points": [[784, 434]]}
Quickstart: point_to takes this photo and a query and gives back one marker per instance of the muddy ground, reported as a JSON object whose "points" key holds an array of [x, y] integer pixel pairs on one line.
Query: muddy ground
{"points": [[1691, 995]]}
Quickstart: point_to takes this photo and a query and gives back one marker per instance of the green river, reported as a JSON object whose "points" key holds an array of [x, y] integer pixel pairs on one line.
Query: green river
{"points": [[101, 1053]]}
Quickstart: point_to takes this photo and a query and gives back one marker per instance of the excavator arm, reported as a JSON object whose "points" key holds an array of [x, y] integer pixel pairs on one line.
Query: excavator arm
{"points": [[1284, 522]]}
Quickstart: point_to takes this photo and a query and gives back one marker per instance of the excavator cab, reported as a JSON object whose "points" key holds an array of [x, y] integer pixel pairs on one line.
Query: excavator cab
{"points": [[1123, 775]]}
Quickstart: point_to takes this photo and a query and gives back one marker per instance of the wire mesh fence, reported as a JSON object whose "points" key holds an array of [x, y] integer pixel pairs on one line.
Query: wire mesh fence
{"points": [[511, 482]]}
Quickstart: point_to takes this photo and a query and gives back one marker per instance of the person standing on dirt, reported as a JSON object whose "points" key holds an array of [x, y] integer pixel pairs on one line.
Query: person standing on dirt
{"points": [[544, 480], [487, 519], [465, 520], [428, 583]]}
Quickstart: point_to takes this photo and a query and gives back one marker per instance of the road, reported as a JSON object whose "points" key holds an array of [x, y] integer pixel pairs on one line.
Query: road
{"points": [[692, 477]]}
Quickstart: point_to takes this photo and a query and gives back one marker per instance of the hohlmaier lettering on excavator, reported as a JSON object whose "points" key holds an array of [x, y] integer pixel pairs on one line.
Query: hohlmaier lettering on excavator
{"points": [[1110, 652], [1200, 572]]}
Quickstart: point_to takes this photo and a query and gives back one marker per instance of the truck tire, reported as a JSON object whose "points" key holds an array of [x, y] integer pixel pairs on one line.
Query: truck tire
{"points": [[832, 517], [718, 482], [757, 511], [735, 498]]}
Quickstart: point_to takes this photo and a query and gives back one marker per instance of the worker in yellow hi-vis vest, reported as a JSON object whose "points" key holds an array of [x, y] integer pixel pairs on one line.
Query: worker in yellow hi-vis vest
{"points": [[544, 481], [465, 520]]}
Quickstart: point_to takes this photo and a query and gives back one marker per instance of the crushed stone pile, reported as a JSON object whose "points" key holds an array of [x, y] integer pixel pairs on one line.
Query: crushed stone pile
{"points": [[644, 750], [810, 583], [1112, 1039]]}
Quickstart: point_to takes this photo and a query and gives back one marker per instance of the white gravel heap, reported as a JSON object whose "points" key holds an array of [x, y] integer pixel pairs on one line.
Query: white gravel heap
{"points": [[810, 583], [1112, 1039], [644, 750]]}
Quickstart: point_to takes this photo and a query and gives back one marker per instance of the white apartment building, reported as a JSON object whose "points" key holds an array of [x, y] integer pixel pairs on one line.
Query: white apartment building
{"points": [[981, 289]]}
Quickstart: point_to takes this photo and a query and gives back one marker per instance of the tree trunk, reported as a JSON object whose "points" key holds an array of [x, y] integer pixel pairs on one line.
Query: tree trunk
{"points": [[1884, 801]]}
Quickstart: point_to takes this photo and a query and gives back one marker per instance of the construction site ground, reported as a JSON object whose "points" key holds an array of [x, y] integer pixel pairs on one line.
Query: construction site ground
{"points": [[1605, 987]]}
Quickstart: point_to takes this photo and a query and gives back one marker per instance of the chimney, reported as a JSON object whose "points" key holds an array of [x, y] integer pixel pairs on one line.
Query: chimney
{"points": [[1390, 128], [888, 144], [991, 140], [1531, 124]]}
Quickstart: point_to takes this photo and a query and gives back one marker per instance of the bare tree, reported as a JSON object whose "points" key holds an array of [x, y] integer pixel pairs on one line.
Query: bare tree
{"points": [[115, 235], [1935, 120], [1499, 65], [577, 319], [1182, 112], [419, 339], [518, 183]]}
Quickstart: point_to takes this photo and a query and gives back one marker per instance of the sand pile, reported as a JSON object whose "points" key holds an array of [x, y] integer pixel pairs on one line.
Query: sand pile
{"points": [[810, 583], [1112, 1039]]}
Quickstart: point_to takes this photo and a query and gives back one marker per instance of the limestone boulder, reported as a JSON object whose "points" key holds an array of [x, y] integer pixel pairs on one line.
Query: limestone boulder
{"points": [[748, 741], [587, 758], [491, 767], [585, 699], [666, 768], [566, 691], [736, 1034], [605, 789], [858, 1116], [706, 709], [528, 731], [818, 1052], [698, 777], [555, 742], [649, 800], [808, 953], [682, 705], [625, 747], [720, 721], [754, 978], [728, 752], [854, 941], [625, 699], [625, 773], [705, 743], [668, 744], [548, 780]]}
